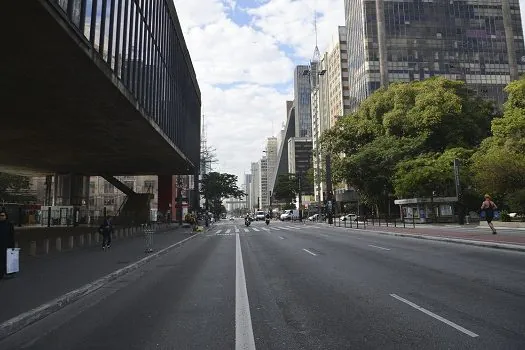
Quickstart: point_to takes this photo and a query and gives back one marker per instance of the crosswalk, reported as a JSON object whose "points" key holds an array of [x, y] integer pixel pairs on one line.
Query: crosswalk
{"points": [[269, 229]]}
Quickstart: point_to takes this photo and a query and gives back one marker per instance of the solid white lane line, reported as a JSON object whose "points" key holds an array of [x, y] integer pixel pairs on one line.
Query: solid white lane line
{"points": [[437, 317], [243, 321], [218, 232], [378, 247], [246, 230], [309, 252], [281, 237], [255, 229], [228, 231]]}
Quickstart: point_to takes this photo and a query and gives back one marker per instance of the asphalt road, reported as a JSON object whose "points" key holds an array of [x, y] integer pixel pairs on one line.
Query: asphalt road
{"points": [[295, 286]]}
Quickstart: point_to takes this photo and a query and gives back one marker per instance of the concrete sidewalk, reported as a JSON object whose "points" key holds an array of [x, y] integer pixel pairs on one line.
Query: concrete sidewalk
{"points": [[44, 278], [506, 238]]}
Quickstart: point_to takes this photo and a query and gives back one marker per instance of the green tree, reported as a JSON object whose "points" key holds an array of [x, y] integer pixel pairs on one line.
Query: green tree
{"points": [[288, 206], [11, 186], [499, 164], [516, 201], [286, 188], [421, 176], [407, 121], [217, 186]]}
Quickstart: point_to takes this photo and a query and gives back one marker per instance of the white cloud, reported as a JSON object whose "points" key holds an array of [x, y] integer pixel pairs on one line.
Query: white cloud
{"points": [[241, 70], [225, 53], [290, 22]]}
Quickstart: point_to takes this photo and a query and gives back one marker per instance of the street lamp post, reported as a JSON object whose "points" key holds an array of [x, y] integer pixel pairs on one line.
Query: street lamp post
{"points": [[329, 187], [300, 199]]}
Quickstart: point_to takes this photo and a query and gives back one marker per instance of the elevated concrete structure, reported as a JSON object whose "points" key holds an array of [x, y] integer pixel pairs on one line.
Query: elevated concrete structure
{"points": [[69, 106]]}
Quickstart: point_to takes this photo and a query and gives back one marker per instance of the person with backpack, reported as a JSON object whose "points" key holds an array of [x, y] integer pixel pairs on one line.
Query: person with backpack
{"points": [[106, 229], [488, 206]]}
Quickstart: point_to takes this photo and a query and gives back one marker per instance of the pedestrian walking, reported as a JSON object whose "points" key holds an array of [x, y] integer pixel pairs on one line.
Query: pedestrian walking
{"points": [[488, 206], [7, 240], [106, 229]]}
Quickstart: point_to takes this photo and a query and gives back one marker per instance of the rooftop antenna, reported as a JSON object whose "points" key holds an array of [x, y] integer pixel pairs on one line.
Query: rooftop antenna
{"points": [[317, 54]]}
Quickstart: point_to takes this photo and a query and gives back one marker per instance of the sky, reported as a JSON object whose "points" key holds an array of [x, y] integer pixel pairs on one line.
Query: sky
{"points": [[244, 53]]}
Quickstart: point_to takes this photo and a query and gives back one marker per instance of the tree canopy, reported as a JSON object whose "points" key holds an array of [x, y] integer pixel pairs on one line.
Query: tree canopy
{"points": [[11, 186], [401, 139], [499, 164], [217, 186], [286, 188]]}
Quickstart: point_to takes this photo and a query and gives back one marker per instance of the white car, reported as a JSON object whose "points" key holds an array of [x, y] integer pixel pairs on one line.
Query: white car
{"points": [[260, 215]]}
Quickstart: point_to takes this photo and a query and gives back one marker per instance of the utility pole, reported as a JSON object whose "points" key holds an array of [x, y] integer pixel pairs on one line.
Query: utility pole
{"points": [[329, 188], [461, 207], [300, 200], [179, 199], [270, 210]]}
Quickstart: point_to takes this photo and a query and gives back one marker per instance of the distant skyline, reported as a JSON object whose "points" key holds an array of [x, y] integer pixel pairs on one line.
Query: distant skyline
{"points": [[244, 53]]}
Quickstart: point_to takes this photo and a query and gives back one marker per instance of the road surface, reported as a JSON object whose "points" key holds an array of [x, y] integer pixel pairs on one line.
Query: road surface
{"points": [[296, 286]]}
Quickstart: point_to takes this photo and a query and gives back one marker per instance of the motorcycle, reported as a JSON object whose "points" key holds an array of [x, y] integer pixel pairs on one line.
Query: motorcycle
{"points": [[267, 222], [247, 222]]}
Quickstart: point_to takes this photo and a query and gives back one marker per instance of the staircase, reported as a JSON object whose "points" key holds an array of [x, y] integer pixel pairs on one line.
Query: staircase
{"points": [[135, 210], [136, 207]]}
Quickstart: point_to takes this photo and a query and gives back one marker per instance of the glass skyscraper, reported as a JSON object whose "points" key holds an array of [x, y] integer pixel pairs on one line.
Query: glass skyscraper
{"points": [[303, 113], [460, 40]]}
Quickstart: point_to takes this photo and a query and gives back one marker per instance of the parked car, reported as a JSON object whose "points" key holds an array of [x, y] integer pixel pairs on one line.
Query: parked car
{"points": [[349, 217], [290, 214]]}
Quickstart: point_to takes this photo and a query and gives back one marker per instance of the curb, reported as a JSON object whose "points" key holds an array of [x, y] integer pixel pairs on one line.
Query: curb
{"points": [[504, 246], [23, 320]]}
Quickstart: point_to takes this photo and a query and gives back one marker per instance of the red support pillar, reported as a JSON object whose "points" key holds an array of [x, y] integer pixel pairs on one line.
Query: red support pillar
{"points": [[167, 195]]}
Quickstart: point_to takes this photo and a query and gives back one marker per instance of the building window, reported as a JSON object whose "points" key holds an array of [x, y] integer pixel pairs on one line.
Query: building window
{"points": [[109, 200], [108, 188], [149, 186], [130, 184]]}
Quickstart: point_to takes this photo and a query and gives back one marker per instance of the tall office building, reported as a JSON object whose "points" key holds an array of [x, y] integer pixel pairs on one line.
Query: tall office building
{"points": [[263, 183], [300, 160], [247, 189], [255, 187], [330, 100], [271, 155], [477, 41], [303, 116]]}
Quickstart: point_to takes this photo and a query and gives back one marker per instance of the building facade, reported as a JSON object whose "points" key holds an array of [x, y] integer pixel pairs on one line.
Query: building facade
{"points": [[255, 187], [303, 116], [264, 200], [271, 155], [330, 100], [460, 40], [247, 189], [300, 160]]}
